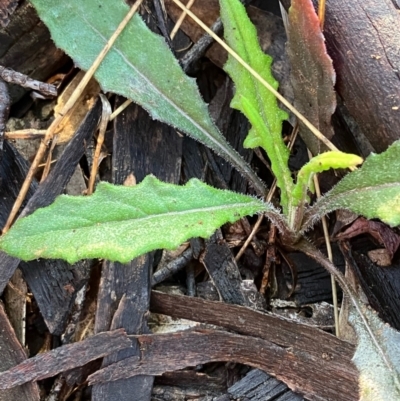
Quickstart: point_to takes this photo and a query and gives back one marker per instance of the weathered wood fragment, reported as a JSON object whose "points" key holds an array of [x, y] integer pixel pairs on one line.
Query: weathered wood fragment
{"points": [[12, 354], [313, 281], [13, 169], [26, 46], [5, 103], [7, 7], [63, 170], [224, 271], [165, 352], [326, 355], [200, 162], [363, 39], [258, 385], [381, 285], [64, 358]]}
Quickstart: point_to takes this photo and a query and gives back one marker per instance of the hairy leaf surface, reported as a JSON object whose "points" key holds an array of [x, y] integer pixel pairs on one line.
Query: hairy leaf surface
{"points": [[119, 223], [377, 382], [253, 99], [312, 73], [140, 67], [373, 190]]}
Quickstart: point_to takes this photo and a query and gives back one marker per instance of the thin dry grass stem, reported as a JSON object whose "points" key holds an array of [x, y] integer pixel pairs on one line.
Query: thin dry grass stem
{"points": [[105, 118], [51, 162], [25, 134], [181, 19], [268, 199], [321, 13], [252, 234], [67, 107], [120, 109], [47, 165], [330, 256], [307, 123]]}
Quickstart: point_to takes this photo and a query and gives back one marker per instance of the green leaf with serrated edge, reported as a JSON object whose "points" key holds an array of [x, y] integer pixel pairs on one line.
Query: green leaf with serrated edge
{"points": [[119, 223], [253, 99], [372, 191], [140, 66], [322, 162]]}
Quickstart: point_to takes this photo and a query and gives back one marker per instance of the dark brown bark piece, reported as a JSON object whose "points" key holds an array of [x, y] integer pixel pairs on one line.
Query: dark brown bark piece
{"points": [[313, 281], [124, 302], [161, 353], [199, 162], [381, 285], [215, 382], [173, 267], [224, 271], [54, 284], [12, 353], [26, 46], [144, 146], [7, 7], [257, 385], [13, 169], [15, 304], [141, 146], [363, 39], [235, 127], [65, 358], [63, 170], [5, 103], [330, 356]]}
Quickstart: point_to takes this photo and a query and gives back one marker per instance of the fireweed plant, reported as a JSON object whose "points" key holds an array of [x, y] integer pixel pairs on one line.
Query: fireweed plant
{"points": [[120, 223]]}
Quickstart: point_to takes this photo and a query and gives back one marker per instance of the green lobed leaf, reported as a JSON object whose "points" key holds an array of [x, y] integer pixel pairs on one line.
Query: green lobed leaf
{"points": [[252, 98], [140, 66], [119, 223], [372, 191]]}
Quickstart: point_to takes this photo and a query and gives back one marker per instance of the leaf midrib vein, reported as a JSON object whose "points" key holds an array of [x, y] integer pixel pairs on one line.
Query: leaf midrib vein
{"points": [[157, 216], [156, 89]]}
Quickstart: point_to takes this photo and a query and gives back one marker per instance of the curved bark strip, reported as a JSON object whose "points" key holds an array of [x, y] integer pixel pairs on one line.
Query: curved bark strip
{"points": [[308, 360], [173, 351], [363, 39]]}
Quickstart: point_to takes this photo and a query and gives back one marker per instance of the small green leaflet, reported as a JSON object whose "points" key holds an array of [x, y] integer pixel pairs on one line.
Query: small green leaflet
{"points": [[252, 98], [372, 191], [322, 162], [140, 66], [120, 223]]}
